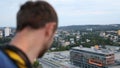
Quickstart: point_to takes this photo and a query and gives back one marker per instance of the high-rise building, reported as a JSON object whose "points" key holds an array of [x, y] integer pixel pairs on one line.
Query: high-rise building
{"points": [[91, 57], [7, 31], [119, 32]]}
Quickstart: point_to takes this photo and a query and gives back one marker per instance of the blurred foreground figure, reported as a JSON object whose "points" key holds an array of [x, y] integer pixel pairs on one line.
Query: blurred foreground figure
{"points": [[36, 26]]}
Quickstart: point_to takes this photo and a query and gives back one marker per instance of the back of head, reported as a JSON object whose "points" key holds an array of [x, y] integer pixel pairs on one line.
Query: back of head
{"points": [[35, 15]]}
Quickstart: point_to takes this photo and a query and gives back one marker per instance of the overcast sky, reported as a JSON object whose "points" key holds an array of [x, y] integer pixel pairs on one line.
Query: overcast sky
{"points": [[70, 12]]}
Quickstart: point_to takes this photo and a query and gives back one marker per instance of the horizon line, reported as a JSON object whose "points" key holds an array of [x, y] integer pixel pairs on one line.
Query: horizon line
{"points": [[67, 25]]}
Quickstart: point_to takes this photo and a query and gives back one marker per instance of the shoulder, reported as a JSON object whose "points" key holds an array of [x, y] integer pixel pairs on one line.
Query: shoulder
{"points": [[5, 62]]}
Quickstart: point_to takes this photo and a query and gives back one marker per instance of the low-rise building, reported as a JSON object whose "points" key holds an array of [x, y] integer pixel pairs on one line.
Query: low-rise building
{"points": [[91, 57]]}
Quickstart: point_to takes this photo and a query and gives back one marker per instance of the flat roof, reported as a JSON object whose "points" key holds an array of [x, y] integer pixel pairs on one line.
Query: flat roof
{"points": [[93, 50]]}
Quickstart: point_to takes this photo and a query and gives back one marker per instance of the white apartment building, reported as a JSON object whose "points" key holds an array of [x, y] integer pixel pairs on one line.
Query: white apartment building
{"points": [[7, 31]]}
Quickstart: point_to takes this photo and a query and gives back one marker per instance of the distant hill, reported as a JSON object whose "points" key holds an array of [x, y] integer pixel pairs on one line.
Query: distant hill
{"points": [[93, 27], [86, 27]]}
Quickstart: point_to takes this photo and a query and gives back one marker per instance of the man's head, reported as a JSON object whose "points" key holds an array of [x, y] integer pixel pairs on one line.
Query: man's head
{"points": [[38, 16], [35, 15]]}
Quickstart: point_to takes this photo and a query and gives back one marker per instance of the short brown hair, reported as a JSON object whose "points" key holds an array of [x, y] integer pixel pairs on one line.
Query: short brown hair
{"points": [[35, 15]]}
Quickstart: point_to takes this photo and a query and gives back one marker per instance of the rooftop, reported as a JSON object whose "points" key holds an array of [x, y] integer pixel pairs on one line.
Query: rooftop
{"points": [[94, 50]]}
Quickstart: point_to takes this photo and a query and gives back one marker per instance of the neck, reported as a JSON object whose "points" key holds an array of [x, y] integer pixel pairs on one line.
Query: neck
{"points": [[25, 43]]}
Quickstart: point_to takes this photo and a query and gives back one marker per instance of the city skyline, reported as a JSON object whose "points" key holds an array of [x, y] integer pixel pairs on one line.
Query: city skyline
{"points": [[70, 12]]}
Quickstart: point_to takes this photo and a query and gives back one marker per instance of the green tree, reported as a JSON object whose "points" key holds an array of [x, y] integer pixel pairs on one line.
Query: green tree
{"points": [[37, 65]]}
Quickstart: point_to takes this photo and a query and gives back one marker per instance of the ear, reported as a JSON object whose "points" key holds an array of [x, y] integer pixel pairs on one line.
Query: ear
{"points": [[49, 30]]}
